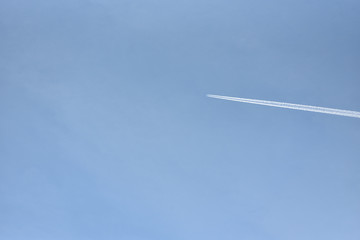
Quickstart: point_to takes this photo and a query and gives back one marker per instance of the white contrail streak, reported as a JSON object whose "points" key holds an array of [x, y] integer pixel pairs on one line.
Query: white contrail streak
{"points": [[292, 106]]}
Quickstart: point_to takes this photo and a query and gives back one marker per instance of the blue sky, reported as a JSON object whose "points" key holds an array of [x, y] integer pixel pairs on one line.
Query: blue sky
{"points": [[106, 133]]}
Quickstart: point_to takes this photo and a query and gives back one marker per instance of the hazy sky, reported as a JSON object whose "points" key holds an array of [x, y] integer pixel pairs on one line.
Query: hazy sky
{"points": [[106, 132]]}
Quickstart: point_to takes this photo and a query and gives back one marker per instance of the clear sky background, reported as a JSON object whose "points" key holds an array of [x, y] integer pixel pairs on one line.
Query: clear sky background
{"points": [[106, 133]]}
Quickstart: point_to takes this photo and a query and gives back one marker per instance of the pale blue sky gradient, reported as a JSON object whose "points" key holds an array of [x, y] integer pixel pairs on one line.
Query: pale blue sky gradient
{"points": [[106, 132]]}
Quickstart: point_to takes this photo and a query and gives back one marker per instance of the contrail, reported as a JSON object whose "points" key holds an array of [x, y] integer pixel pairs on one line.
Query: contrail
{"points": [[292, 106]]}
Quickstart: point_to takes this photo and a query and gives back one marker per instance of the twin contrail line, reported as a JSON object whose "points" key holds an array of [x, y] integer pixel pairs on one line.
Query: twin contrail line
{"points": [[334, 111]]}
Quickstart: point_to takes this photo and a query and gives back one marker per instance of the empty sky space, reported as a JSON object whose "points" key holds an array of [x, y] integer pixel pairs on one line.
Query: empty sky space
{"points": [[106, 131]]}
